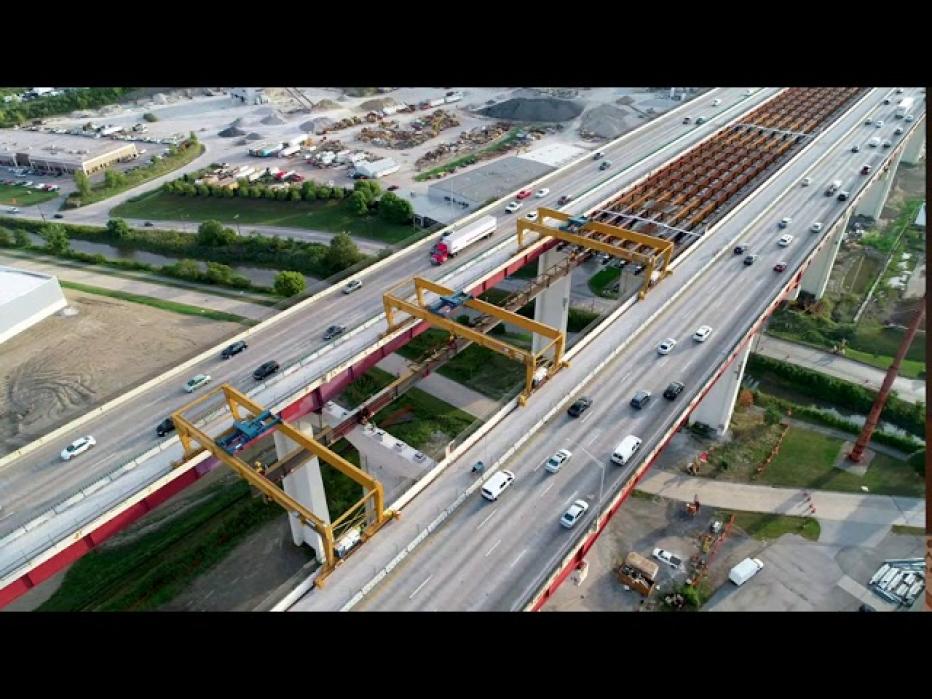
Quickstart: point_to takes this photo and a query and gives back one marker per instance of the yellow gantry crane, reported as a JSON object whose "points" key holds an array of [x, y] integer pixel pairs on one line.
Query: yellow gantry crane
{"points": [[265, 479], [435, 313]]}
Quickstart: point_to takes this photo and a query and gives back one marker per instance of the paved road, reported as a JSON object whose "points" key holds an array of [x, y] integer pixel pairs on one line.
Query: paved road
{"points": [[39, 479], [912, 390], [456, 394], [92, 277], [492, 556]]}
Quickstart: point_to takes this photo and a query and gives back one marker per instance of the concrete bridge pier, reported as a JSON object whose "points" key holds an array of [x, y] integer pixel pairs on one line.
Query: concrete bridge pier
{"points": [[915, 147], [306, 486], [715, 410], [553, 304], [815, 278], [872, 201]]}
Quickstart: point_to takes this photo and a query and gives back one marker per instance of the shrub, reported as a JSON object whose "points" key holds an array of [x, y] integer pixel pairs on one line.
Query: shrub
{"points": [[150, 117], [289, 284]]}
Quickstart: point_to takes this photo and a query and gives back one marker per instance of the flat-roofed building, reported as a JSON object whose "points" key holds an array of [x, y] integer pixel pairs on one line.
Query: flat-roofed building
{"points": [[66, 154], [25, 299]]}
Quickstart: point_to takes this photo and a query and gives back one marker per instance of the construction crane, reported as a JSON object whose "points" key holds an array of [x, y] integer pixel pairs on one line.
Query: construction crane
{"points": [[873, 417]]}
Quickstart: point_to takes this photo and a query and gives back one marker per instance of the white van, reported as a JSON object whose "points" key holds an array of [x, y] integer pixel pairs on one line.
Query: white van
{"points": [[496, 484], [626, 449], [745, 570], [874, 142]]}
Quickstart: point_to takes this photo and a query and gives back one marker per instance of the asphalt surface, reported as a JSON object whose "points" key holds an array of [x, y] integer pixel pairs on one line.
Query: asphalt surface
{"points": [[493, 556], [912, 390], [39, 479]]}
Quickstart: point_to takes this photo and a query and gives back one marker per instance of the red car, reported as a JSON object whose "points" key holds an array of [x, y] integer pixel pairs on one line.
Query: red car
{"points": [[779, 267], [524, 194]]}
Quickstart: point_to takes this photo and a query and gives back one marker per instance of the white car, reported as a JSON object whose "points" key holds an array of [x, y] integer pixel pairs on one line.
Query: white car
{"points": [[196, 382], [531, 215], [702, 333], [909, 117], [806, 181], [666, 346], [785, 221], [816, 227], [541, 193], [785, 240], [352, 286], [78, 446], [557, 460], [12, 210], [574, 513], [670, 559], [512, 207], [879, 124]]}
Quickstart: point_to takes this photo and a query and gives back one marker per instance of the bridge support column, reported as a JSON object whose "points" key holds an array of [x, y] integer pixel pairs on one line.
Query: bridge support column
{"points": [[716, 408], [815, 279], [306, 486], [915, 147], [553, 304], [872, 203]]}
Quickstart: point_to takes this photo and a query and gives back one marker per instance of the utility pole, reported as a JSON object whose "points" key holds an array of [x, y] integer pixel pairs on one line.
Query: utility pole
{"points": [[874, 417]]}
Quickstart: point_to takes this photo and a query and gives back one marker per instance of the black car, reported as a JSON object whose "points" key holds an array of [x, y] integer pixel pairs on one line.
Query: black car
{"points": [[265, 371], [741, 249], [673, 390], [148, 224], [641, 398], [58, 216], [563, 200], [393, 187], [233, 349], [333, 331], [165, 426], [750, 259], [580, 406]]}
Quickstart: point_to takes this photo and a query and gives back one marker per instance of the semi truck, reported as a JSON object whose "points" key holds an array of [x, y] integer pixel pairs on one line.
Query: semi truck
{"points": [[904, 107], [455, 241]]}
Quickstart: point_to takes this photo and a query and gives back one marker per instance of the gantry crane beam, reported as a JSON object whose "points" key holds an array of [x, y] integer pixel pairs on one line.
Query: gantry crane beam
{"points": [[188, 433]]}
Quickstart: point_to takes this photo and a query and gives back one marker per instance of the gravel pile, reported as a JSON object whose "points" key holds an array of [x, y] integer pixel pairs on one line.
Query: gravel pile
{"points": [[327, 104], [605, 121], [254, 137], [231, 131], [317, 125], [273, 120], [544, 109], [376, 105]]}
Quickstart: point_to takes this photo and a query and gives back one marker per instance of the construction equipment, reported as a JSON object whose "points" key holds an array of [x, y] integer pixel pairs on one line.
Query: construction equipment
{"points": [[692, 508], [638, 573]]}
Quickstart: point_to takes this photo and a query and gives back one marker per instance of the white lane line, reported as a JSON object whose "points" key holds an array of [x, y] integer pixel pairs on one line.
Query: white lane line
{"points": [[491, 514], [515, 562], [539, 465], [493, 548], [544, 491], [418, 588], [588, 415], [593, 436]]}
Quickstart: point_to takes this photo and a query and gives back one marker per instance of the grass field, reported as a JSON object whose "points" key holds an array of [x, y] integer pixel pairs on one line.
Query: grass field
{"points": [[603, 278], [13, 195], [910, 368], [331, 215], [182, 308], [769, 527], [908, 531]]}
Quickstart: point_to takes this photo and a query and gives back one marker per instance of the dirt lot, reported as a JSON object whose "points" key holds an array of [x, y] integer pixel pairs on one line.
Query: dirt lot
{"points": [[67, 365]]}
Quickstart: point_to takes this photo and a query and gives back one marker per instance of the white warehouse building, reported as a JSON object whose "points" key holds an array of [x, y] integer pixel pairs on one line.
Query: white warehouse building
{"points": [[25, 299]]}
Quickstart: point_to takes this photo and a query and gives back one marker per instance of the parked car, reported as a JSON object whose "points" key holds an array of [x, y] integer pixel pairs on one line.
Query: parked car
{"points": [[702, 333], [670, 559], [233, 349], [557, 460], [640, 400], [78, 446], [196, 382], [334, 331], [673, 390], [352, 286], [574, 513], [512, 207], [265, 370], [666, 346], [581, 405], [541, 193], [164, 427], [779, 267]]}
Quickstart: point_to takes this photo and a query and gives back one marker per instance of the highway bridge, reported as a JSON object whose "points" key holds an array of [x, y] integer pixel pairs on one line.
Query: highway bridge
{"points": [[57, 512]]}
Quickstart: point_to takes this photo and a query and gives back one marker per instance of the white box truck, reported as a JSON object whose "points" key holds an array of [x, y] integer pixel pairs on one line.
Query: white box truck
{"points": [[904, 107], [289, 151], [454, 241], [745, 570]]}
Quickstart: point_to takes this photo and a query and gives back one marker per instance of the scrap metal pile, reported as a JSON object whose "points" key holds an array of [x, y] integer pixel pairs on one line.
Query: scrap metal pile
{"points": [[899, 580], [388, 134]]}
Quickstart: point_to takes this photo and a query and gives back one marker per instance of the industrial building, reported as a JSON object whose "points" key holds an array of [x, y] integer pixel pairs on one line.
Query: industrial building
{"points": [[56, 153], [25, 299]]}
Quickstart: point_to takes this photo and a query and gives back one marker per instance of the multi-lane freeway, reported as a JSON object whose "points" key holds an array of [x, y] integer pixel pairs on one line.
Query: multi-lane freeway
{"points": [[39, 479], [494, 556]]}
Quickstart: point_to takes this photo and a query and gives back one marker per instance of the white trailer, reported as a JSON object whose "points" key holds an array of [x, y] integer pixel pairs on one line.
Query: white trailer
{"points": [[289, 151], [297, 140], [453, 97], [243, 171], [109, 130], [379, 168], [745, 570], [252, 177], [455, 241], [437, 102], [904, 107]]}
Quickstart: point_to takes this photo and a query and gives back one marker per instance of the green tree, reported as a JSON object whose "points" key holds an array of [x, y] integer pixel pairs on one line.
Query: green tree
{"points": [[21, 239], [56, 238], [289, 284], [294, 194], [268, 193], [395, 209], [918, 461], [114, 178], [281, 194], [308, 190], [192, 138], [342, 253], [323, 192], [202, 190], [218, 273], [83, 183], [772, 416], [6, 238], [118, 228], [228, 193], [183, 269], [150, 117], [371, 187], [213, 234], [358, 203]]}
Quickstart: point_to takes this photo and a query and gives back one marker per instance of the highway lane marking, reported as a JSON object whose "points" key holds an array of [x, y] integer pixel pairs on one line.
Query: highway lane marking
{"points": [[515, 562], [593, 436], [493, 548], [491, 514], [588, 415], [418, 588], [544, 492]]}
